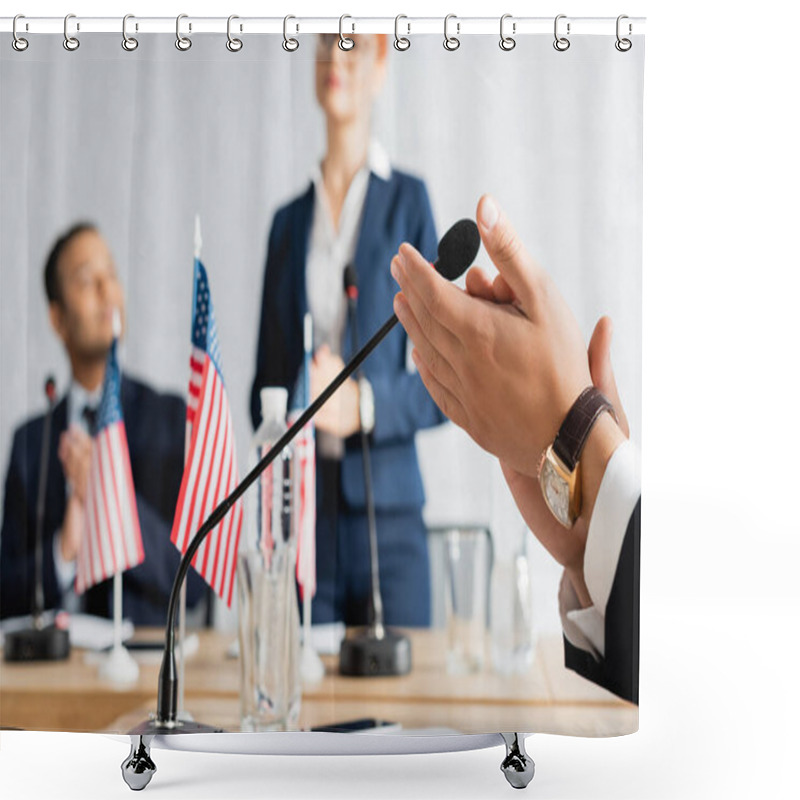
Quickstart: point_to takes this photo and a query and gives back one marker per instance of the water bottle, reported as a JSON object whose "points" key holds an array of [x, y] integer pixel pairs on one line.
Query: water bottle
{"points": [[269, 620]]}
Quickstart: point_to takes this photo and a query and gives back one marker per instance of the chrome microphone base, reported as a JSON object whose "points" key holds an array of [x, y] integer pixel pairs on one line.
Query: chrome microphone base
{"points": [[138, 768]]}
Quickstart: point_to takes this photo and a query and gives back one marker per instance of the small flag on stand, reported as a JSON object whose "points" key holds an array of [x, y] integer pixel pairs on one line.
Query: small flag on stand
{"points": [[113, 539], [210, 472], [305, 449]]}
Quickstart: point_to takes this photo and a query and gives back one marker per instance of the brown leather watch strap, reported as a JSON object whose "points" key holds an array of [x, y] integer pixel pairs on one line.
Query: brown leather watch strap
{"points": [[572, 434]]}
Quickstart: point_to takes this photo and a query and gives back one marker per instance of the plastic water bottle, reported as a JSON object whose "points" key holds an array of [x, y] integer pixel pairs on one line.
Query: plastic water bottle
{"points": [[269, 620]]}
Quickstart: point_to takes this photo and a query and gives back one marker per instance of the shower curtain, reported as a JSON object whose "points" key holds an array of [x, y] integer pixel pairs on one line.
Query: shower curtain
{"points": [[141, 143]]}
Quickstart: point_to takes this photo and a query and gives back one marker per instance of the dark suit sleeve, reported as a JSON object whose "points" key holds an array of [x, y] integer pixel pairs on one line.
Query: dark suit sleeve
{"points": [[618, 670], [17, 569], [402, 403], [16, 558]]}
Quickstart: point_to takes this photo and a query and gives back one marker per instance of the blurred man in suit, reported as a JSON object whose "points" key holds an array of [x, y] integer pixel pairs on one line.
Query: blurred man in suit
{"points": [[84, 295]]}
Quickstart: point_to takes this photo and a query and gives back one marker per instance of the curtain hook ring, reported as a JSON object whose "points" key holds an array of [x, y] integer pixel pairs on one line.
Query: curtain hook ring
{"points": [[401, 43], [345, 42], [451, 43], [290, 44], [623, 45], [233, 44], [71, 43], [129, 43], [183, 43], [18, 43], [507, 43], [561, 43]]}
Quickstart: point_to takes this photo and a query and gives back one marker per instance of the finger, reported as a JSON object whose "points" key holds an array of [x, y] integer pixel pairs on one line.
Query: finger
{"points": [[502, 291], [447, 306], [520, 272], [436, 363], [479, 285], [446, 400], [601, 370], [428, 321]]}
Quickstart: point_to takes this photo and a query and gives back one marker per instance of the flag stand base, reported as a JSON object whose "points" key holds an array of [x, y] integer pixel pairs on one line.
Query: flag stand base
{"points": [[119, 666]]}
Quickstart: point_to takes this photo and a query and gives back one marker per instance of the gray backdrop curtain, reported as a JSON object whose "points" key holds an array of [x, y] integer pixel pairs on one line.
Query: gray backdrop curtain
{"points": [[140, 142]]}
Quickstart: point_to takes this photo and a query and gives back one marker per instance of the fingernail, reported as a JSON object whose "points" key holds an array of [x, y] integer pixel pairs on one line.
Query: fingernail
{"points": [[398, 304], [489, 213]]}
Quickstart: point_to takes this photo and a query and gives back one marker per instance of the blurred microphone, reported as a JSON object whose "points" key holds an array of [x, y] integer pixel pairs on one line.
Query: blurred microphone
{"points": [[40, 642], [373, 650]]}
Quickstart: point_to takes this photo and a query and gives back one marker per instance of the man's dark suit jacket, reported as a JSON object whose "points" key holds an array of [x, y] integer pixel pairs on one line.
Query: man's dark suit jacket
{"points": [[155, 425], [618, 671], [395, 210]]}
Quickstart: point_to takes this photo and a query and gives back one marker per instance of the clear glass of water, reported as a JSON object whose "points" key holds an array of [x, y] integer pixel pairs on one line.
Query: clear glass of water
{"points": [[269, 641], [466, 579]]}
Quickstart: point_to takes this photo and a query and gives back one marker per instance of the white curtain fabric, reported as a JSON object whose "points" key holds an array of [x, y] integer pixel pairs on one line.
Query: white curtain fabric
{"points": [[141, 142]]}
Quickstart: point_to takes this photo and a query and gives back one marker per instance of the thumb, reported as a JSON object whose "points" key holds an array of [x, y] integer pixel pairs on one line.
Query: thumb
{"points": [[601, 370], [519, 271]]}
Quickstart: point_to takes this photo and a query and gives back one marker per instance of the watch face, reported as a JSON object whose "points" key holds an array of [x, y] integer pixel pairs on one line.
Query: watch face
{"points": [[556, 492]]}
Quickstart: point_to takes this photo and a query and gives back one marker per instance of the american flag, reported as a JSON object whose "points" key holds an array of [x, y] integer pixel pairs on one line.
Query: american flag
{"points": [[113, 540], [305, 490], [210, 472]]}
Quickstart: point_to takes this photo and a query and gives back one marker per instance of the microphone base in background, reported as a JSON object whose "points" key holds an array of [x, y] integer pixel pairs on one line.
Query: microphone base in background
{"points": [[364, 654], [37, 644]]}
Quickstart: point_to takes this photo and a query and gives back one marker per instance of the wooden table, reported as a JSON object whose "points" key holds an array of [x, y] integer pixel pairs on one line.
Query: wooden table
{"points": [[70, 696]]}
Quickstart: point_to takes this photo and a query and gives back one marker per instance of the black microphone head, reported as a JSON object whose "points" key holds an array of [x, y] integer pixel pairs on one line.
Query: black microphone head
{"points": [[457, 249]]}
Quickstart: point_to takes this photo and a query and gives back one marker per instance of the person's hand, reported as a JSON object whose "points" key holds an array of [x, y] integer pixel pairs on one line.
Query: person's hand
{"points": [[567, 546], [72, 528], [507, 372], [340, 416], [74, 452]]}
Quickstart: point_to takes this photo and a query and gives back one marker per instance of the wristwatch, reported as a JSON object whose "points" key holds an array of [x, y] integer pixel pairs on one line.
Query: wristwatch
{"points": [[366, 405], [559, 467]]}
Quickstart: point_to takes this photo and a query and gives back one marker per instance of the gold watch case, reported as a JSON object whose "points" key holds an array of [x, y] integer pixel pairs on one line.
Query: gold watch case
{"points": [[561, 488]]}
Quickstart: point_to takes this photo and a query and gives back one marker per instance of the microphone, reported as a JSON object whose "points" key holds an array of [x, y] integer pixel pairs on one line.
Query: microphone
{"points": [[373, 650], [41, 642], [457, 250]]}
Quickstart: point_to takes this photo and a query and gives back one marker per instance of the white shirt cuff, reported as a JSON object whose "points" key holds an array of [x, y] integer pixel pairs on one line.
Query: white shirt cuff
{"points": [[583, 627], [619, 492], [65, 570]]}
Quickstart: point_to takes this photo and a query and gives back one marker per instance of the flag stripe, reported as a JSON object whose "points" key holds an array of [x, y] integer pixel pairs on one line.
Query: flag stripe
{"points": [[225, 522], [210, 468], [112, 540], [115, 531], [207, 504]]}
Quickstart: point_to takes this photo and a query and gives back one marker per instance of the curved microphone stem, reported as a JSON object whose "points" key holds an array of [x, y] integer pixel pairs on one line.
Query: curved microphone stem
{"points": [[168, 677]]}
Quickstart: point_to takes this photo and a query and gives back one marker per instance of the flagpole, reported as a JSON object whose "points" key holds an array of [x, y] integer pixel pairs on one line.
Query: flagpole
{"points": [[120, 666], [182, 713]]}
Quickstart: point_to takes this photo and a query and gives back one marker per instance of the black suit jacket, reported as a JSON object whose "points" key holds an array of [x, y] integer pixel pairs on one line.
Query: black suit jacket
{"points": [[618, 671], [155, 426]]}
